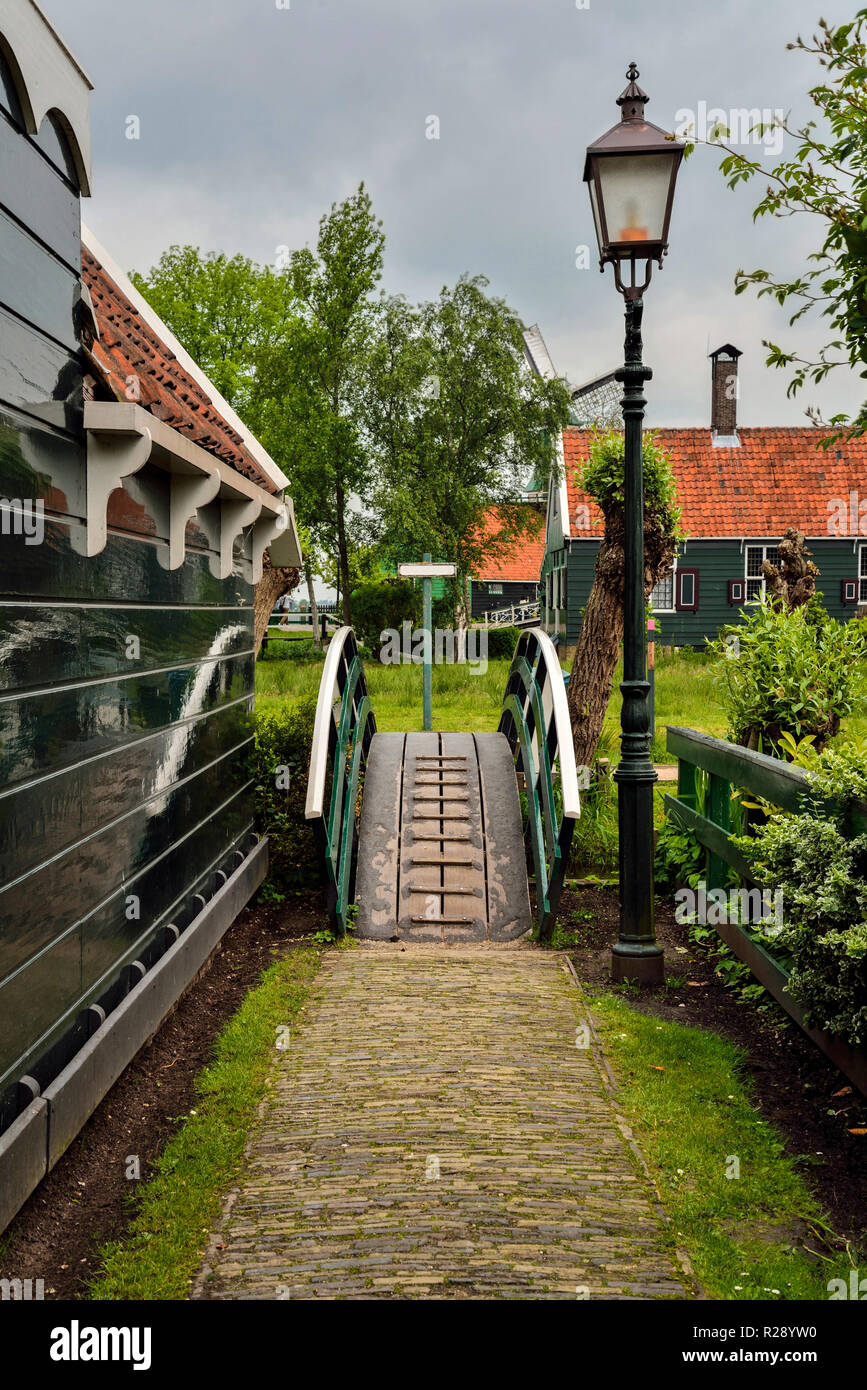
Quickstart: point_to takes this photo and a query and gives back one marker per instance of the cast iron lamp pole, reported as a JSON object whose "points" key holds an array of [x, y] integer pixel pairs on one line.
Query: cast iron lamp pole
{"points": [[631, 172]]}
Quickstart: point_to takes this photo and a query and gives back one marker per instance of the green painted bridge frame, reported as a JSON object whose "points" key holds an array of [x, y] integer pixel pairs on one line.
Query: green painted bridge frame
{"points": [[535, 722], [342, 735]]}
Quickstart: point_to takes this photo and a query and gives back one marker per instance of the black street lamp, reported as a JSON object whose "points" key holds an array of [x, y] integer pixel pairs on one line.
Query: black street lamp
{"points": [[631, 173]]}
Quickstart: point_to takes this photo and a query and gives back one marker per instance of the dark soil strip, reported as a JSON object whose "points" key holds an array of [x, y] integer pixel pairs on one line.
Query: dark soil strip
{"points": [[86, 1199], [797, 1088]]}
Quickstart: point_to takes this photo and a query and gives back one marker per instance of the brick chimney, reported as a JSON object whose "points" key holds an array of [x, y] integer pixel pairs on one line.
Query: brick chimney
{"points": [[724, 394]]}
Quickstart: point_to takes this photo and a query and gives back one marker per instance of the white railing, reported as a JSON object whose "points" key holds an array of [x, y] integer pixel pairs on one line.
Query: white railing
{"points": [[517, 615]]}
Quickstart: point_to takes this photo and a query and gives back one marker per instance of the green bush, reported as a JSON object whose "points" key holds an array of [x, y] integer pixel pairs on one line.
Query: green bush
{"points": [[284, 735], [821, 870], [376, 607], [502, 642], [679, 858], [294, 649], [789, 671]]}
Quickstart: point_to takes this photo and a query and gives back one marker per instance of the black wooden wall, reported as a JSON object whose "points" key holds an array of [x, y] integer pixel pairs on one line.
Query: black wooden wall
{"points": [[125, 688]]}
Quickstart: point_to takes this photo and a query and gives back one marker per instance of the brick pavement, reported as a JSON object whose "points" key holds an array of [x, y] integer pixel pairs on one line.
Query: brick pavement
{"points": [[433, 1131]]}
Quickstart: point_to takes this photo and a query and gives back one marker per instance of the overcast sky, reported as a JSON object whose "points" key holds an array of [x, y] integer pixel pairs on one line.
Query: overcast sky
{"points": [[254, 119]]}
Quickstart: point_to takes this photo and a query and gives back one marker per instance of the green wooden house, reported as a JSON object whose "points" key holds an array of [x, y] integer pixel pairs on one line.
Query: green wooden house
{"points": [[739, 490], [135, 510]]}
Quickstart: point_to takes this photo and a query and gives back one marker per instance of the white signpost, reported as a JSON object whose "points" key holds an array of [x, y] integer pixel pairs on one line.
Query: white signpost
{"points": [[427, 571]]}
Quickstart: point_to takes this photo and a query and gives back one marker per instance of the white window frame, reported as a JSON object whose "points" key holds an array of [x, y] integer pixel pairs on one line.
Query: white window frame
{"points": [[862, 572], [672, 575], [756, 578]]}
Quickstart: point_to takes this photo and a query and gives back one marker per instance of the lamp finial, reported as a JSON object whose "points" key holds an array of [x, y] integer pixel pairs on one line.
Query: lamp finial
{"points": [[633, 100]]}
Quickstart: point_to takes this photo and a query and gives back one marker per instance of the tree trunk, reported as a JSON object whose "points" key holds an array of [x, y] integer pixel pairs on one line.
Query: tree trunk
{"points": [[462, 608], [314, 610], [596, 654], [343, 560], [273, 584], [598, 648]]}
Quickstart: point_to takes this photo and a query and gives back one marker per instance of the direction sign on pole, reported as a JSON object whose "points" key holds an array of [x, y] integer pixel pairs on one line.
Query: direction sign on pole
{"points": [[426, 570]]}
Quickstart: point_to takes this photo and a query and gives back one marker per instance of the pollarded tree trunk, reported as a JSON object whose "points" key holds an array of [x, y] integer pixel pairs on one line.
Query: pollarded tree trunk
{"points": [[273, 584], [596, 654]]}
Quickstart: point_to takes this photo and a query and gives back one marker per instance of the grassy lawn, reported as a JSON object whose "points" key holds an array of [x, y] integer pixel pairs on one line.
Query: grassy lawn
{"points": [[461, 700], [737, 1202], [687, 693], [179, 1205]]}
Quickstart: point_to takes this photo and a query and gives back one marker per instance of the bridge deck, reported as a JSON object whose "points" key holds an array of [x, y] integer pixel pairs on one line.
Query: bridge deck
{"points": [[441, 852]]}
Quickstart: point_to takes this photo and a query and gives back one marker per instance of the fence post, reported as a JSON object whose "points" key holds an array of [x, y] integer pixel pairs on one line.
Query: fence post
{"points": [[719, 808], [686, 782]]}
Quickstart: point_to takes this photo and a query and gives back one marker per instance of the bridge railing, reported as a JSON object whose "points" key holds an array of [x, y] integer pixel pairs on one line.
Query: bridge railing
{"points": [[535, 720], [342, 734], [513, 616]]}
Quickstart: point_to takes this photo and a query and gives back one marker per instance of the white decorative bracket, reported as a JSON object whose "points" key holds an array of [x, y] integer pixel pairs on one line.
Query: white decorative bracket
{"points": [[188, 492], [269, 529], [110, 459], [234, 517]]}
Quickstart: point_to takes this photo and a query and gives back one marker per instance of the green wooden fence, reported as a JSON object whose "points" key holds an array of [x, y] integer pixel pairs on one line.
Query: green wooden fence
{"points": [[727, 766]]}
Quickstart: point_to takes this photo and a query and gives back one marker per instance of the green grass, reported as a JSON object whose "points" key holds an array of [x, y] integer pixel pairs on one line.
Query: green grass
{"points": [[692, 1112], [461, 700], [179, 1205]]}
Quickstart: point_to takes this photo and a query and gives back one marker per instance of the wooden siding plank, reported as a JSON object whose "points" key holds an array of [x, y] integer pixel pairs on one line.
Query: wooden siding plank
{"points": [[35, 194], [41, 645], [36, 286], [48, 901], [42, 1002], [41, 733], [128, 570], [44, 818], [39, 377]]}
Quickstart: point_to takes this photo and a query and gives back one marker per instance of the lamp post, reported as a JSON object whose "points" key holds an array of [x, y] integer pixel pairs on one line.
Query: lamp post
{"points": [[631, 173]]}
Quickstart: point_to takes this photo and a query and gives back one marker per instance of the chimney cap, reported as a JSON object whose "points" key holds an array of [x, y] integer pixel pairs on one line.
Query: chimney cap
{"points": [[727, 349]]}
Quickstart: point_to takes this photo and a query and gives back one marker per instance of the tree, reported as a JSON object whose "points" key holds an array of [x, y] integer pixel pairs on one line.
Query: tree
{"points": [[273, 584], [827, 179], [458, 422], [792, 582], [310, 379], [598, 646], [223, 311]]}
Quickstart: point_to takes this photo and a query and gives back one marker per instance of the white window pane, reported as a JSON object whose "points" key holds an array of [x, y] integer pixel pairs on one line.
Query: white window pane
{"points": [[754, 560]]}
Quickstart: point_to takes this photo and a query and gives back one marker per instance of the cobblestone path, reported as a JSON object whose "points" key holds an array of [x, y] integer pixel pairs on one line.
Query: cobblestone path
{"points": [[434, 1131]]}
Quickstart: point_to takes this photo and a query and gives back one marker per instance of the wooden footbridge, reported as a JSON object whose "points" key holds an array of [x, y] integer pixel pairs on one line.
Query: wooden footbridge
{"points": [[428, 836]]}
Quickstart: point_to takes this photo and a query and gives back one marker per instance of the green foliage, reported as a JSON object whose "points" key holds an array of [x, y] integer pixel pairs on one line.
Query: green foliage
{"points": [[595, 837], [827, 178], [821, 869], [378, 606], [679, 857], [224, 310], [502, 642], [459, 423], [603, 478], [284, 734], [299, 649], [793, 673]]}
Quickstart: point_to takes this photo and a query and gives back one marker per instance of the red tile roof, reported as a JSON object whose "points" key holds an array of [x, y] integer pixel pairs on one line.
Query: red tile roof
{"points": [[777, 478], [129, 347], [521, 559]]}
